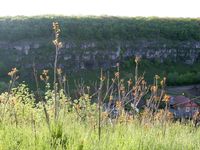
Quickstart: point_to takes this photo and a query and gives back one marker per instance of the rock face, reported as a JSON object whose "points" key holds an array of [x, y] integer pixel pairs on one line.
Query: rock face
{"points": [[91, 55]]}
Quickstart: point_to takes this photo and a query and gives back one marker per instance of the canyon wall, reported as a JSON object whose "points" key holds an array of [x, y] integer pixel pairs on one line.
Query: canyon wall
{"points": [[94, 42], [90, 55]]}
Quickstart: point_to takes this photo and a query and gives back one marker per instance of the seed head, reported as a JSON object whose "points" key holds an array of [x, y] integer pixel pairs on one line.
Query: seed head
{"points": [[129, 82], [44, 76], [13, 72], [154, 89], [166, 98], [117, 65], [117, 75], [110, 98], [157, 77], [137, 59], [59, 71], [102, 78]]}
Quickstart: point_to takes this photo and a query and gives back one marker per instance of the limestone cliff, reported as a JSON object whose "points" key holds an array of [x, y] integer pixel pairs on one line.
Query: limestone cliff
{"points": [[97, 42]]}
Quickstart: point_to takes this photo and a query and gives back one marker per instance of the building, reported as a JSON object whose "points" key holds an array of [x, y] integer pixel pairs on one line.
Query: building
{"points": [[183, 107]]}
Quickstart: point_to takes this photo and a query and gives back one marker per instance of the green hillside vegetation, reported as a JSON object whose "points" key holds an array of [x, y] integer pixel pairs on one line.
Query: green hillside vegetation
{"points": [[106, 31], [100, 28]]}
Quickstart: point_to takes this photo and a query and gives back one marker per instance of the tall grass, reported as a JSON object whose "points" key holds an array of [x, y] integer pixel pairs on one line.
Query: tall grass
{"points": [[78, 136], [106, 116]]}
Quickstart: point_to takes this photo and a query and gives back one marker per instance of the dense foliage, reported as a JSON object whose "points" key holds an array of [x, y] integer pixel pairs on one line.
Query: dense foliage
{"points": [[176, 73], [100, 28]]}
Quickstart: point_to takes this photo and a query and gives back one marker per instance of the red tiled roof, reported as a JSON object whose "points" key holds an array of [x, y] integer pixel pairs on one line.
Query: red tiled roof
{"points": [[191, 104], [184, 101]]}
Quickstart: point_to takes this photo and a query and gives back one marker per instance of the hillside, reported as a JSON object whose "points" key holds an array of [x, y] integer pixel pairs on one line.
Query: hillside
{"points": [[100, 28], [100, 42]]}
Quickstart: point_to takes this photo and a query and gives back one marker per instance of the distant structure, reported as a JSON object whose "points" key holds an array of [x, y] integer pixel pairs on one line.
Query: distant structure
{"points": [[183, 107]]}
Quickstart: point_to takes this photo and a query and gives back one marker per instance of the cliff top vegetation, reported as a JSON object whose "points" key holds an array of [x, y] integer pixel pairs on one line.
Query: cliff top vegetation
{"points": [[100, 28]]}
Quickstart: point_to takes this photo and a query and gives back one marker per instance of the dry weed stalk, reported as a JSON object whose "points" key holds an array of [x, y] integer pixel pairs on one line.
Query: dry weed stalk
{"points": [[102, 78], [58, 45], [44, 77], [13, 77]]}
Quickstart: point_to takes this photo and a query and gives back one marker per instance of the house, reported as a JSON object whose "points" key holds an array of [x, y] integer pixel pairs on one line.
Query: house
{"points": [[183, 107]]}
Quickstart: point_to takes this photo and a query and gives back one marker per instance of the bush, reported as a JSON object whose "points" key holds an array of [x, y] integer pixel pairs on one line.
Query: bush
{"points": [[184, 78]]}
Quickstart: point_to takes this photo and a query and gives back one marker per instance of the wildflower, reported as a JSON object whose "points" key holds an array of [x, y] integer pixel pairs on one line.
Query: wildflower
{"points": [[143, 82], [41, 78], [122, 88], [110, 98], [166, 98], [56, 29], [88, 88], [123, 92], [13, 72], [77, 107], [55, 42], [118, 104], [59, 71], [157, 77], [44, 76], [117, 65], [86, 96], [55, 25], [104, 115], [102, 78], [64, 79], [161, 82], [129, 82], [60, 45], [113, 80], [134, 91], [117, 75], [122, 80], [137, 59], [154, 89], [45, 72]]}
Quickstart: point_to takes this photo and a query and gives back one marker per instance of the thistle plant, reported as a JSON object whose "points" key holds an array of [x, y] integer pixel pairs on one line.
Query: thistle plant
{"points": [[44, 77], [102, 78], [137, 60], [58, 45], [13, 77]]}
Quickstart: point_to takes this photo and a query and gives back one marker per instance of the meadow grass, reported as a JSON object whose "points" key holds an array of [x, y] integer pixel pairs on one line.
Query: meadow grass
{"points": [[23, 125], [78, 135]]}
